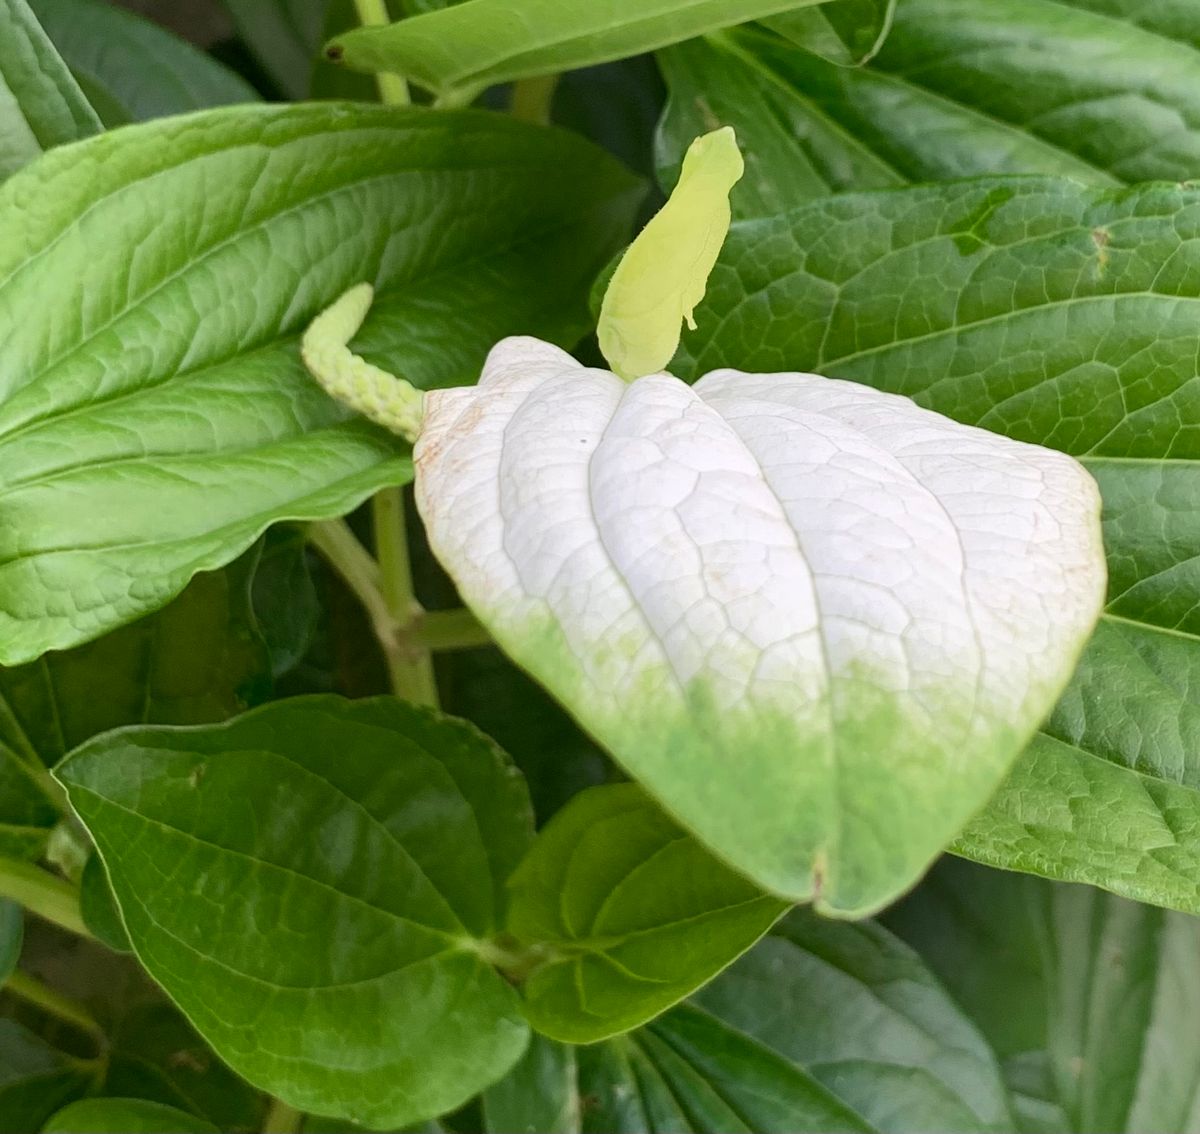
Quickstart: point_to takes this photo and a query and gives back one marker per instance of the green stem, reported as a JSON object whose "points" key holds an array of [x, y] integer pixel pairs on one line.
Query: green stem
{"points": [[54, 1003], [393, 90], [282, 1118], [533, 98], [439, 630], [42, 893], [412, 668]]}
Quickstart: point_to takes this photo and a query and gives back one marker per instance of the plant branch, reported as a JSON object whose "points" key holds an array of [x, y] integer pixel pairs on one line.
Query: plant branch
{"points": [[412, 671], [42, 893], [532, 99], [54, 1003], [282, 1118], [393, 90]]}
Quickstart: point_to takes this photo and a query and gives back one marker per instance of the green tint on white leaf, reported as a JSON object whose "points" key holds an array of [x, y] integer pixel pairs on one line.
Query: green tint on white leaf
{"points": [[663, 273], [816, 621], [154, 413], [41, 105], [634, 913], [462, 49], [312, 884]]}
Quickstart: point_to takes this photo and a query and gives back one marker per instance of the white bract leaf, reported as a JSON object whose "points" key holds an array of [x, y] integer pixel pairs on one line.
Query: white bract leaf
{"points": [[817, 621]]}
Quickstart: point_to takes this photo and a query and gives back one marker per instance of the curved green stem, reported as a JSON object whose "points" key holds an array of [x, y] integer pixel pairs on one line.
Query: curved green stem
{"points": [[393, 90], [282, 1118], [54, 1003], [42, 893]]}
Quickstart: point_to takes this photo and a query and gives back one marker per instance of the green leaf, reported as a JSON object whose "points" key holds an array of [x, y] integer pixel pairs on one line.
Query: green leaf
{"points": [[1091, 999], [35, 1079], [156, 1055], [859, 1011], [538, 1096], [99, 907], [12, 932], [1060, 315], [850, 32], [335, 869], [131, 69], [1111, 93], [286, 608], [284, 35], [634, 912], [41, 105], [690, 1072], [125, 1116], [462, 49], [162, 427]]}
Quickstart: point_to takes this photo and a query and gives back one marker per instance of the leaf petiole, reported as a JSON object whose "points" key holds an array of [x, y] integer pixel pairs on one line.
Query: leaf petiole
{"points": [[42, 893]]}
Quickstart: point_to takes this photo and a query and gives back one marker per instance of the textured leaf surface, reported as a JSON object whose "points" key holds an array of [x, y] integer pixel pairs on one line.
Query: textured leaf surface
{"points": [[131, 69], [473, 45], [860, 1012], [310, 883], [1061, 315], [849, 32], [124, 1116], [689, 1072], [1090, 999], [759, 591], [1102, 91], [41, 105], [636, 913], [154, 415]]}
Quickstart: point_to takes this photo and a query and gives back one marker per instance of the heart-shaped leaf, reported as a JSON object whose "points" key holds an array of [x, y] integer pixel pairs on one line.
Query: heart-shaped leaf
{"points": [[311, 883], [156, 428], [636, 915], [816, 621]]}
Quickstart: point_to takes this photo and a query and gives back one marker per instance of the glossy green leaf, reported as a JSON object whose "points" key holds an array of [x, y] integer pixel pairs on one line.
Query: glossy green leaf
{"points": [[1091, 999], [689, 1072], [850, 32], [859, 1011], [634, 912], [470, 46], [41, 105], [157, 430], [125, 1116], [285, 36], [539, 1095], [1060, 315], [1102, 91], [131, 69], [335, 866], [35, 1079], [12, 925], [156, 1055]]}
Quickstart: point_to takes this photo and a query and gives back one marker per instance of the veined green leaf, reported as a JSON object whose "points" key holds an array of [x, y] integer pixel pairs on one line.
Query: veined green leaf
{"points": [[635, 913], [1102, 91], [469, 46], [334, 868], [163, 424], [690, 1072], [131, 69], [859, 1011], [850, 32], [41, 105], [1090, 999], [125, 1116], [539, 1095], [1062, 315]]}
